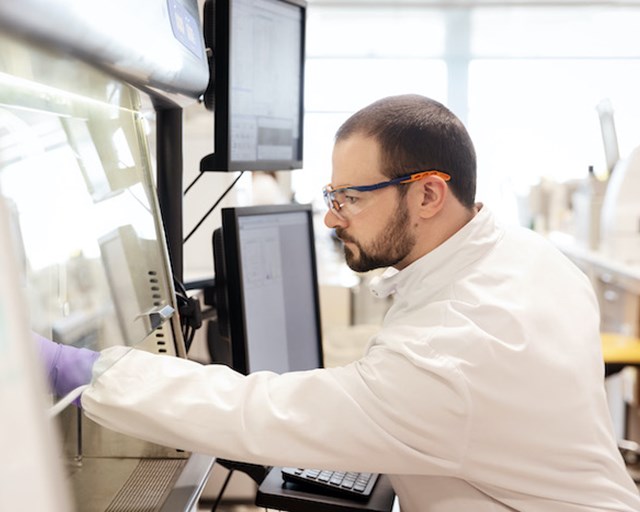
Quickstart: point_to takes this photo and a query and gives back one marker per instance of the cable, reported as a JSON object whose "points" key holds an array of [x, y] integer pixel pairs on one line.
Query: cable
{"points": [[190, 313], [192, 183], [213, 207], [183, 306], [180, 287], [224, 487]]}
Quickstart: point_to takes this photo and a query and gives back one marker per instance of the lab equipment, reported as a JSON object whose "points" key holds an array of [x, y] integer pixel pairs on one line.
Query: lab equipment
{"points": [[620, 220], [620, 211], [586, 201], [256, 87], [348, 484], [267, 301], [75, 168], [609, 134]]}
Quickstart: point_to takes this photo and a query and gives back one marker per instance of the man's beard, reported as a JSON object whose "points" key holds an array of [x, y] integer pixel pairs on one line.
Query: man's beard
{"points": [[392, 245]]}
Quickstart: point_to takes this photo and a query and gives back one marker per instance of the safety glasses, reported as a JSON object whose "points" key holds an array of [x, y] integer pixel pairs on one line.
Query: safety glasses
{"points": [[346, 201]]}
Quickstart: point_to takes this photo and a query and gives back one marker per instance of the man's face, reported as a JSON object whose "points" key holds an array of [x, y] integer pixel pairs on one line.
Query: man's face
{"points": [[379, 234], [387, 249]]}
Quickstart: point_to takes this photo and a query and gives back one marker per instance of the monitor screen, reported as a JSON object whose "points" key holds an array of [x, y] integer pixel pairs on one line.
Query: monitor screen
{"points": [[256, 87], [267, 288]]}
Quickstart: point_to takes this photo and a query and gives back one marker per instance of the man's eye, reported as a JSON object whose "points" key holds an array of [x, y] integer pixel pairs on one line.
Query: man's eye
{"points": [[351, 199]]}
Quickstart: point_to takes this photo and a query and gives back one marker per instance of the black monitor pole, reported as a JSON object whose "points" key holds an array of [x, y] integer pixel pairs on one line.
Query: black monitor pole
{"points": [[169, 180]]}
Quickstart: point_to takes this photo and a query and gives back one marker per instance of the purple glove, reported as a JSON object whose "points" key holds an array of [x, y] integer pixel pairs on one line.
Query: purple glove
{"points": [[67, 367]]}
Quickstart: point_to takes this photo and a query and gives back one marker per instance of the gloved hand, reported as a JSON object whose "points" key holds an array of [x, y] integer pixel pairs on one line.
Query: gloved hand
{"points": [[67, 367]]}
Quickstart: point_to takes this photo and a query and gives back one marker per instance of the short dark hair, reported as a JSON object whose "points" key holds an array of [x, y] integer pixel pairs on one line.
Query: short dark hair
{"points": [[418, 133]]}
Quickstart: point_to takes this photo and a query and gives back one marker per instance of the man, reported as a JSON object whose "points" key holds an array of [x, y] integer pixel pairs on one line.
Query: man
{"points": [[483, 390]]}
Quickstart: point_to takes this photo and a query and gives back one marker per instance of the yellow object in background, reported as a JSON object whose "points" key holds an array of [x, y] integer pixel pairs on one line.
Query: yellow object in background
{"points": [[620, 349]]}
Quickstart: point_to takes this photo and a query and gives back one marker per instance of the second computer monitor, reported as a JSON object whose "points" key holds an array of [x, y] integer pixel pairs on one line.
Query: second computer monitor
{"points": [[266, 274]]}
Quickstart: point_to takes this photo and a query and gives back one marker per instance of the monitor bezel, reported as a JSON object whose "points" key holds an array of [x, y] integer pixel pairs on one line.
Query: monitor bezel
{"points": [[230, 284], [217, 19]]}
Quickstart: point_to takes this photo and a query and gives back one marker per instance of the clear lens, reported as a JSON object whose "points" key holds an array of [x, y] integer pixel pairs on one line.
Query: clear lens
{"points": [[345, 202], [329, 200], [327, 194]]}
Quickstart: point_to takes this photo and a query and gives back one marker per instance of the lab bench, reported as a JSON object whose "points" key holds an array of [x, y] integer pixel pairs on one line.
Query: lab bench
{"points": [[617, 287], [617, 284]]}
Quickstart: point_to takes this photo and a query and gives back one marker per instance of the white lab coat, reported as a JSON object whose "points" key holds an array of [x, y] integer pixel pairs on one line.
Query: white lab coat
{"points": [[483, 390]]}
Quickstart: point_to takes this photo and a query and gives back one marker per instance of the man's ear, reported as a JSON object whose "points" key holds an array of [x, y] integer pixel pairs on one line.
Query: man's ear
{"points": [[432, 194]]}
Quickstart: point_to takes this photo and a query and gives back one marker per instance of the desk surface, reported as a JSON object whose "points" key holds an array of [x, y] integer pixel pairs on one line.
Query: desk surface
{"points": [[620, 349], [276, 494]]}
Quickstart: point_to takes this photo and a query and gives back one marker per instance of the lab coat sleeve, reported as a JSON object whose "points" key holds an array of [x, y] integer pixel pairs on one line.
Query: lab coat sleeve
{"points": [[367, 416]]}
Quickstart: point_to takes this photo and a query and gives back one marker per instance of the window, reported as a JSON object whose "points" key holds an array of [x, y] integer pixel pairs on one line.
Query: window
{"points": [[525, 79], [356, 56], [338, 87]]}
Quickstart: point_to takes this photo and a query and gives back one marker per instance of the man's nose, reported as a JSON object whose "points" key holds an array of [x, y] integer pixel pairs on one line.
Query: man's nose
{"points": [[331, 220]]}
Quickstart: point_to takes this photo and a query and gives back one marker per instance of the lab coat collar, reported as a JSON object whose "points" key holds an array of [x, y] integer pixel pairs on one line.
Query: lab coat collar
{"points": [[439, 266]]}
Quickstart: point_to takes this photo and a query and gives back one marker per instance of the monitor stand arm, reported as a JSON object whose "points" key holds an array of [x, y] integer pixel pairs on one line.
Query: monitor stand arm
{"points": [[256, 472]]}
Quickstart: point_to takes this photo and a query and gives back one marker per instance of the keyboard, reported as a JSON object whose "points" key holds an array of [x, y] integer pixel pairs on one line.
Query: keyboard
{"points": [[345, 484]]}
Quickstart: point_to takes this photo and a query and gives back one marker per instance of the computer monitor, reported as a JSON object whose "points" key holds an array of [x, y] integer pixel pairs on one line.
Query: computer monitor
{"points": [[266, 286], [256, 85]]}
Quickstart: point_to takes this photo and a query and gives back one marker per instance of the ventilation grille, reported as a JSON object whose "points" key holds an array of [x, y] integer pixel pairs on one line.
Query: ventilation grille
{"points": [[156, 296], [161, 341], [154, 286], [147, 487]]}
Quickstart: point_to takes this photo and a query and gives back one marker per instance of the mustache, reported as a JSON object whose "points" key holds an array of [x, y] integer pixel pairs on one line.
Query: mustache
{"points": [[342, 235]]}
